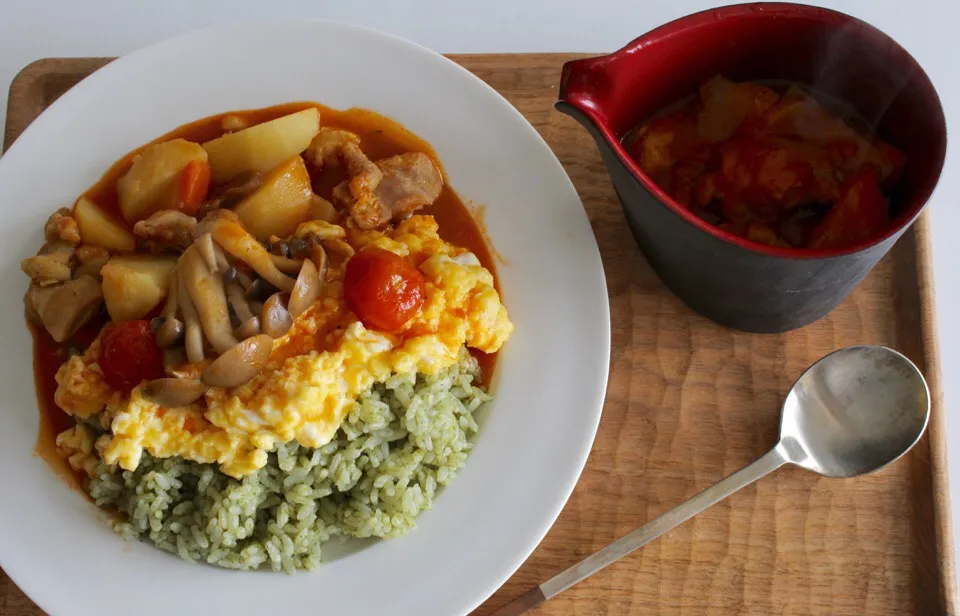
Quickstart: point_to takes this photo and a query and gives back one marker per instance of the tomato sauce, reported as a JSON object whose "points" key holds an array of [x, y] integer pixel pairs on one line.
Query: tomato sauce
{"points": [[380, 137], [773, 162]]}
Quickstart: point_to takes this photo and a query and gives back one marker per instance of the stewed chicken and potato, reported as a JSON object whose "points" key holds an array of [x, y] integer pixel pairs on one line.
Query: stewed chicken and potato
{"points": [[263, 330]]}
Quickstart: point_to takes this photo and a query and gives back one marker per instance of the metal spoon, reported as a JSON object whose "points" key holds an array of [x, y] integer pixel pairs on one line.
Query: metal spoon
{"points": [[851, 413]]}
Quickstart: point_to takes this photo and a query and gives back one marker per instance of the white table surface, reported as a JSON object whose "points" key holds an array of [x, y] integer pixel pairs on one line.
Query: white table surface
{"points": [[32, 29]]}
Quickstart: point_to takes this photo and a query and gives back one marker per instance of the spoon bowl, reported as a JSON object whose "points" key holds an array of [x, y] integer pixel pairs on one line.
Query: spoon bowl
{"points": [[854, 412]]}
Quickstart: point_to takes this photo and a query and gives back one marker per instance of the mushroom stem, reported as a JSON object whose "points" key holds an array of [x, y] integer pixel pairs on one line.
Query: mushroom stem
{"points": [[244, 279], [306, 291], [239, 303], [193, 339], [206, 291], [285, 265], [234, 239], [171, 329], [319, 257], [204, 245], [170, 308], [220, 258]]}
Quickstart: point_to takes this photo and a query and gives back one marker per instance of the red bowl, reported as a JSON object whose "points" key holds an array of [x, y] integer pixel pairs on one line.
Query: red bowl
{"points": [[731, 280]]}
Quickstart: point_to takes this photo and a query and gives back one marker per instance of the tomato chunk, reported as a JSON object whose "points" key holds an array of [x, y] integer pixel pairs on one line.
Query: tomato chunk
{"points": [[384, 290], [860, 213], [129, 355]]}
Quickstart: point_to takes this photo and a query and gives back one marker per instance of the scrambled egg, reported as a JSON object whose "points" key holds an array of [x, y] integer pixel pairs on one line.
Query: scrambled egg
{"points": [[316, 371]]}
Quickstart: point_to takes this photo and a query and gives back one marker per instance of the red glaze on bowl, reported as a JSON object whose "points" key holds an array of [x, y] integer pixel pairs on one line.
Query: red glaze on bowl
{"points": [[729, 279]]}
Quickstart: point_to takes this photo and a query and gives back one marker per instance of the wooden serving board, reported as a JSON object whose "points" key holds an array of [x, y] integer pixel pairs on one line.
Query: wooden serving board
{"points": [[689, 402]]}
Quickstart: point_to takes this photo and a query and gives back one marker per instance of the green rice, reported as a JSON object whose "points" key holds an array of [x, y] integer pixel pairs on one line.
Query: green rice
{"points": [[401, 441]]}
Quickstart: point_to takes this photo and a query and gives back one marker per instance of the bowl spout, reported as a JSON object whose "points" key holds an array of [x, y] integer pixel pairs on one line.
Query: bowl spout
{"points": [[588, 90], [584, 85], [592, 92]]}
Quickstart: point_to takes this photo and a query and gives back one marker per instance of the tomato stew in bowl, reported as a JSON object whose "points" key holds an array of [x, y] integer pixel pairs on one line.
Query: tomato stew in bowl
{"points": [[771, 279], [771, 163]]}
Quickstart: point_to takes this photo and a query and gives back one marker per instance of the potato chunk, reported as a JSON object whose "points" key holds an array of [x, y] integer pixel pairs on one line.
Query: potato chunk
{"points": [[154, 176], [262, 147], [280, 204], [725, 105], [133, 285], [98, 229]]}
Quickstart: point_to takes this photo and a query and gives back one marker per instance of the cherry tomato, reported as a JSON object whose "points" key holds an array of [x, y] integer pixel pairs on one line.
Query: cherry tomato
{"points": [[129, 354], [384, 290]]}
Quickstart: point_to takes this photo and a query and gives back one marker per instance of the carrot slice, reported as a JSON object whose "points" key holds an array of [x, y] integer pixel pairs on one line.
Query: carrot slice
{"points": [[194, 186]]}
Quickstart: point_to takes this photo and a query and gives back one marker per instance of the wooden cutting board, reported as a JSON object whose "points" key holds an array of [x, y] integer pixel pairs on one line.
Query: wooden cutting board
{"points": [[689, 402]]}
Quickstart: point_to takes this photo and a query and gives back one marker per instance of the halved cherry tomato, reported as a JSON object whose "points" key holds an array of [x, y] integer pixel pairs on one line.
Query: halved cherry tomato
{"points": [[384, 290], [860, 213], [129, 354]]}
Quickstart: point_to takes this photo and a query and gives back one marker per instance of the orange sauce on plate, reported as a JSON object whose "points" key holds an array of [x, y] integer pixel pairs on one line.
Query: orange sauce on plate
{"points": [[380, 137]]}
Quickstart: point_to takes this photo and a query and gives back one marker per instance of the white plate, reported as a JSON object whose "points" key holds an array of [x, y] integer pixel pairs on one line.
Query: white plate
{"points": [[552, 374]]}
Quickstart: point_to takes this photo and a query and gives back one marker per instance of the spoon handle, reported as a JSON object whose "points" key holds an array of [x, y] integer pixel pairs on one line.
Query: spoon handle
{"points": [[771, 461]]}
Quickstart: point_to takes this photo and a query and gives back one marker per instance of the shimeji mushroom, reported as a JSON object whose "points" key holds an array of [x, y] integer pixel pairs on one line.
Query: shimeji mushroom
{"points": [[211, 289]]}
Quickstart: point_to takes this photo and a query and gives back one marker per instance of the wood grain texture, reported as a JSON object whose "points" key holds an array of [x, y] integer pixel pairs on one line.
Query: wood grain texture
{"points": [[689, 402]]}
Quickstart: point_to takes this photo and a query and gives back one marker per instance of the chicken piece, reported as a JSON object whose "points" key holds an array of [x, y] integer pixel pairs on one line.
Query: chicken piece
{"points": [[359, 192], [64, 308], [166, 229], [212, 219], [397, 187], [62, 227], [662, 144], [365, 175], [410, 181], [52, 265], [326, 147], [725, 105], [91, 260]]}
